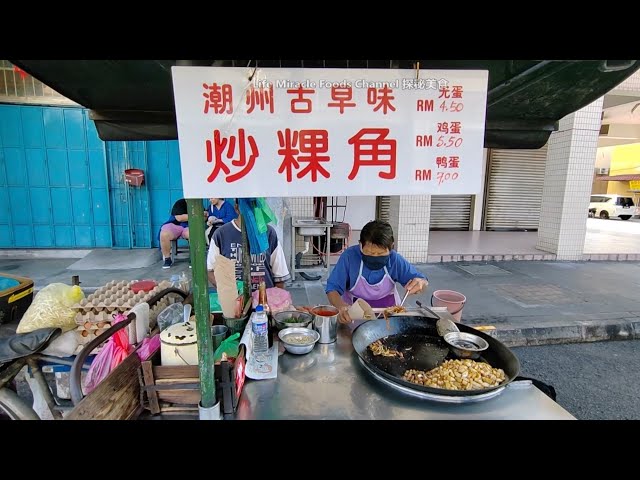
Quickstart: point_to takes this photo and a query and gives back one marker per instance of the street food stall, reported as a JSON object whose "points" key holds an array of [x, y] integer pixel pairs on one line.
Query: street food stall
{"points": [[301, 132], [404, 132]]}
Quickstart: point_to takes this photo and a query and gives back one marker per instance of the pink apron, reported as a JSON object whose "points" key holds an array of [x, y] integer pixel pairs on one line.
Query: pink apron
{"points": [[381, 295]]}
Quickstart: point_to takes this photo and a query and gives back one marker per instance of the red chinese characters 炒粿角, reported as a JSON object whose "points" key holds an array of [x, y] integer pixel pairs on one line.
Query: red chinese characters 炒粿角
{"points": [[216, 148], [303, 146], [218, 98], [371, 147]]}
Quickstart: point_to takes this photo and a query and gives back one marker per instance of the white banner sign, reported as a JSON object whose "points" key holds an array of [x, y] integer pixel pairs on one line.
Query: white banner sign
{"points": [[281, 132]]}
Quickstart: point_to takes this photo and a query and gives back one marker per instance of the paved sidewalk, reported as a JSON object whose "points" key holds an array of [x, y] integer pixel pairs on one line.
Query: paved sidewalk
{"points": [[528, 302]]}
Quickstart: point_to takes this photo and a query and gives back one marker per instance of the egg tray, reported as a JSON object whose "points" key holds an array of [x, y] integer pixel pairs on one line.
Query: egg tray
{"points": [[114, 297], [85, 335], [93, 320]]}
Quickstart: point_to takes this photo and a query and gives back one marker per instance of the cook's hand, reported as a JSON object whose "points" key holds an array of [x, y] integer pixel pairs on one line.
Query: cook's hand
{"points": [[206, 213], [416, 285], [343, 315], [210, 221]]}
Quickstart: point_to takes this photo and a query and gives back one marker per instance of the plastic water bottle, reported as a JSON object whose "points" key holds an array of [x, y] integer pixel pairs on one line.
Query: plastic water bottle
{"points": [[260, 333]]}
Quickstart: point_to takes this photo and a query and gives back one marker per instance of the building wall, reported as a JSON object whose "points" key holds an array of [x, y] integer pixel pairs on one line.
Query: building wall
{"points": [[568, 181], [625, 160], [631, 84], [63, 187], [409, 217], [478, 201], [599, 187], [53, 182]]}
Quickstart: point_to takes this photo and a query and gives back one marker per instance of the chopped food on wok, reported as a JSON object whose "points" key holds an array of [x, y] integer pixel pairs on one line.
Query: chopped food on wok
{"points": [[378, 348], [458, 375], [390, 311]]}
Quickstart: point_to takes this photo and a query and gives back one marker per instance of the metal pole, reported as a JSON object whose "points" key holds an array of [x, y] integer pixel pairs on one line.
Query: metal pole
{"points": [[246, 262], [197, 247]]}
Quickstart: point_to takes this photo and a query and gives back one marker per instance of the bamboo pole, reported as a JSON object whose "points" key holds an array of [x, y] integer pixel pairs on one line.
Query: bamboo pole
{"points": [[198, 249]]}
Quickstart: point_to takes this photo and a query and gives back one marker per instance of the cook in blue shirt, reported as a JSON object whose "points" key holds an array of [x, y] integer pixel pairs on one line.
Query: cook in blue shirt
{"points": [[370, 271]]}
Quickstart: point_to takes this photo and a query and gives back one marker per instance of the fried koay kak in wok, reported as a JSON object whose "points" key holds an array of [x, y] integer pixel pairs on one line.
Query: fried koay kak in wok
{"points": [[421, 351]]}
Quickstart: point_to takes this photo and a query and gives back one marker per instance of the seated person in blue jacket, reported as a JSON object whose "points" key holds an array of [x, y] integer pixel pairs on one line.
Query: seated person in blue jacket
{"points": [[370, 271], [220, 212], [176, 227]]}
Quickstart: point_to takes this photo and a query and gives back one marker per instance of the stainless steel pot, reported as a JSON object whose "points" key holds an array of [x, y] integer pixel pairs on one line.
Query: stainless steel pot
{"points": [[326, 325]]}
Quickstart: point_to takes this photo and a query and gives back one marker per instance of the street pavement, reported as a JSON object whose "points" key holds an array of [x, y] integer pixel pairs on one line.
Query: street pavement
{"points": [[529, 303], [593, 381]]}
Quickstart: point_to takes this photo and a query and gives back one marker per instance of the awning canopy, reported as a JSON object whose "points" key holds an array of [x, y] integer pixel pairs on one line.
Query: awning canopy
{"points": [[133, 99], [618, 178]]}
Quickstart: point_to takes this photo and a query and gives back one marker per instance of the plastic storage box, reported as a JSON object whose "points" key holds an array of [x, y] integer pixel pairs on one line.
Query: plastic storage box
{"points": [[16, 294]]}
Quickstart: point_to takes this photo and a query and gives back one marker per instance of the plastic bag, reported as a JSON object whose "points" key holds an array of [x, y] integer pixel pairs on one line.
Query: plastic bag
{"points": [[113, 353], [149, 346], [52, 308], [174, 313], [279, 299], [230, 346], [63, 346]]}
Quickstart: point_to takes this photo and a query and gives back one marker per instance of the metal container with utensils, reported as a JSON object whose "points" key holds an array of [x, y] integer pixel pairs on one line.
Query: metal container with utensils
{"points": [[325, 322], [218, 334], [466, 345]]}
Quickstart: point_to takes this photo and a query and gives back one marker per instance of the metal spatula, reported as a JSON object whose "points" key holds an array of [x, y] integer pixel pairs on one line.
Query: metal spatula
{"points": [[443, 325]]}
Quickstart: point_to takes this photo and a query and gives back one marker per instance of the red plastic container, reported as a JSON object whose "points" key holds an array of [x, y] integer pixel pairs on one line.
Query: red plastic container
{"points": [[134, 177], [143, 286]]}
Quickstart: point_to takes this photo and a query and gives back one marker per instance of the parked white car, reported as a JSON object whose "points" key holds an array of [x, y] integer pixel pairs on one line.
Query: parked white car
{"points": [[609, 206]]}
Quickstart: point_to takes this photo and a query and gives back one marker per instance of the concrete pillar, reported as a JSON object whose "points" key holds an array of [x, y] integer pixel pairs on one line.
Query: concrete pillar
{"points": [[409, 217], [567, 183]]}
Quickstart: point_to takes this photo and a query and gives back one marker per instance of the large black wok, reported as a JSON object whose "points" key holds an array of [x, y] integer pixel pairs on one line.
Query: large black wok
{"points": [[418, 335]]}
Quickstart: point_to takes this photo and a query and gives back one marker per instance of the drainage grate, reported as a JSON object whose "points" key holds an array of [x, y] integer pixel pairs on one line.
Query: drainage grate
{"points": [[483, 270]]}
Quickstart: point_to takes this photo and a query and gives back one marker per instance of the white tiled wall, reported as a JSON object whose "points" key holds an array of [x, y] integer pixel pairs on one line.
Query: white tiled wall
{"points": [[631, 84], [300, 206], [409, 218], [567, 183]]}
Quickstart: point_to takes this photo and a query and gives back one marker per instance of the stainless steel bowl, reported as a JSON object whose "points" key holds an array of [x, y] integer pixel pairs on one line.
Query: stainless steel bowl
{"points": [[304, 319], [466, 345], [297, 348]]}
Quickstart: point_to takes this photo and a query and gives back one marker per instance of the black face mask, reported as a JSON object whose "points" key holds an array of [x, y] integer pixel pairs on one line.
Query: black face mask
{"points": [[375, 263]]}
